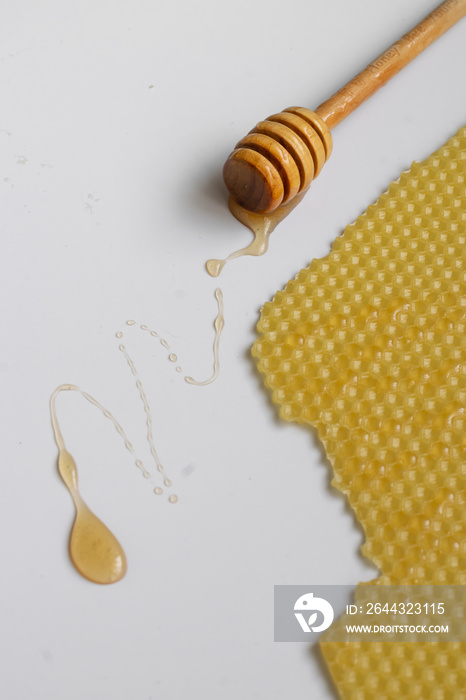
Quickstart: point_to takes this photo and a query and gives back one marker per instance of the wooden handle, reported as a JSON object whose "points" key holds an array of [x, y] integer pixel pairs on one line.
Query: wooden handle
{"points": [[281, 156], [389, 63]]}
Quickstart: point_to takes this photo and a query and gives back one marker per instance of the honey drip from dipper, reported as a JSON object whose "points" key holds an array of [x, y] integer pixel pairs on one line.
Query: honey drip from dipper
{"points": [[269, 172], [262, 225]]}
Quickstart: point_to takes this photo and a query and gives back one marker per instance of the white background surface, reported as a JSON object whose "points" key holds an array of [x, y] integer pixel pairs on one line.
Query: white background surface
{"points": [[111, 202]]}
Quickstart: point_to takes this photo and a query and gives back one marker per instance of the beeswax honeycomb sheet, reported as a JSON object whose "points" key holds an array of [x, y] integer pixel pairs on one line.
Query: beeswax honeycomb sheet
{"points": [[368, 345]]}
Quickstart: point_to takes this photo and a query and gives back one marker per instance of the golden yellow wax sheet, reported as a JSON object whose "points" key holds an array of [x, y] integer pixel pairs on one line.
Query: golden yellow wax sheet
{"points": [[368, 345]]}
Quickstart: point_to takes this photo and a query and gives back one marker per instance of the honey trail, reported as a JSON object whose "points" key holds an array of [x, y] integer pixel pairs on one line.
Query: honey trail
{"points": [[94, 550], [107, 414], [218, 325], [164, 343], [262, 225], [149, 422]]}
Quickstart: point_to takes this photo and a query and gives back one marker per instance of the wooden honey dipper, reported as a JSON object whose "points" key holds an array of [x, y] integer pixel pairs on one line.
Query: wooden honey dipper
{"points": [[281, 156]]}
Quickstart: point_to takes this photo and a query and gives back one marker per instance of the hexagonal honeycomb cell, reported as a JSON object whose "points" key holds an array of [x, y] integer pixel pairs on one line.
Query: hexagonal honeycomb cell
{"points": [[368, 345]]}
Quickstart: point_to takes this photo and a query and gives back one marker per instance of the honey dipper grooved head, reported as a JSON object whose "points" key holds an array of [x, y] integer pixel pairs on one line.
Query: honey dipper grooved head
{"points": [[277, 160]]}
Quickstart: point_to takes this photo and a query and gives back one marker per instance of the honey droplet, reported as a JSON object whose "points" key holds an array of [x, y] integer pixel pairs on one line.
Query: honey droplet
{"points": [[94, 550]]}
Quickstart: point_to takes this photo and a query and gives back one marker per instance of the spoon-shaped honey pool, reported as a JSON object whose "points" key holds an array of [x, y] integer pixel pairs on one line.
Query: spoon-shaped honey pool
{"points": [[94, 550]]}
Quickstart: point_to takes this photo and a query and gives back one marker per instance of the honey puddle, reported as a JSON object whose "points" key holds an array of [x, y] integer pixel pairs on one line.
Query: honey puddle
{"points": [[262, 225], [94, 550]]}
